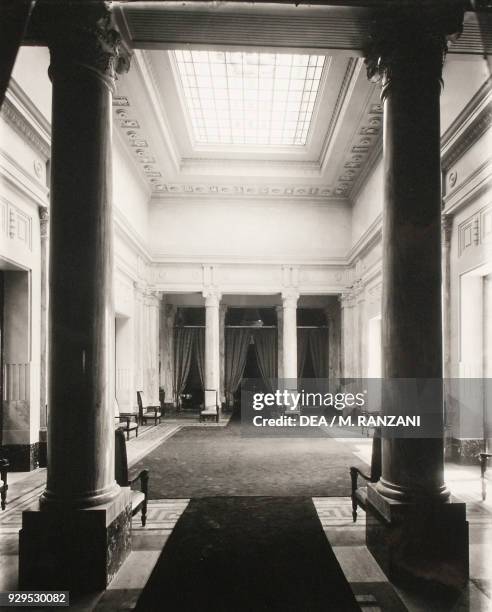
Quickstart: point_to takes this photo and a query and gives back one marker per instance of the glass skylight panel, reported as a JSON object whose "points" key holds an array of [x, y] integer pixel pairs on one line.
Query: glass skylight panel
{"points": [[236, 98]]}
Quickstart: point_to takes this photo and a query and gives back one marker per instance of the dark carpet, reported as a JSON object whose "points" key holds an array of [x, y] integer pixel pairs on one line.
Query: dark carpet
{"points": [[202, 462], [248, 554]]}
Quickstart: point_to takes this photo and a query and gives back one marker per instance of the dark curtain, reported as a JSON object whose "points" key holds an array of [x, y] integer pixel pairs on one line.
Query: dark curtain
{"points": [[266, 352], [318, 344], [236, 350], [302, 349], [200, 353], [183, 346]]}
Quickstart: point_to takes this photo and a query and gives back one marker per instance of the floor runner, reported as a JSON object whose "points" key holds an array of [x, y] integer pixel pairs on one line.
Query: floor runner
{"points": [[234, 554]]}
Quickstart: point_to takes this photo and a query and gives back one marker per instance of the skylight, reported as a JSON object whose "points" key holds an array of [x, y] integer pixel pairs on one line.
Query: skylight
{"points": [[236, 98]]}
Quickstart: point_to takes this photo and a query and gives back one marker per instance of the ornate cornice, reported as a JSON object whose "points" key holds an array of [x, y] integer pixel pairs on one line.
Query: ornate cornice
{"points": [[468, 127], [35, 135]]}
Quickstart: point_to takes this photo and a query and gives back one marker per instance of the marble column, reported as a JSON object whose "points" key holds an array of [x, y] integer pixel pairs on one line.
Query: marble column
{"points": [[222, 315], [280, 341], [347, 334], [81, 495], [151, 346], [447, 230], [333, 314], [167, 351], [139, 330], [43, 362], [212, 340], [289, 336], [409, 530]]}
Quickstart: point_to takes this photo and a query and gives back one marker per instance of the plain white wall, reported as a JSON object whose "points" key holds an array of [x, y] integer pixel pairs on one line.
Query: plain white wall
{"points": [[284, 231]]}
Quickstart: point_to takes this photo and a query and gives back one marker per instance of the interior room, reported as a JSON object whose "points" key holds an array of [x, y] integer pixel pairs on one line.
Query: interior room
{"points": [[205, 201]]}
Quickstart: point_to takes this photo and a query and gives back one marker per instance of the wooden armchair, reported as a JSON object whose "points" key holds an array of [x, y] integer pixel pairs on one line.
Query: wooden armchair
{"points": [[124, 420], [146, 410], [359, 495], [139, 498], [4, 466], [210, 406]]}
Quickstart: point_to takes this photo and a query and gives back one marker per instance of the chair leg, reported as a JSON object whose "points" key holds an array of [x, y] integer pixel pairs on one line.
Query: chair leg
{"points": [[4, 497], [353, 477], [127, 434]]}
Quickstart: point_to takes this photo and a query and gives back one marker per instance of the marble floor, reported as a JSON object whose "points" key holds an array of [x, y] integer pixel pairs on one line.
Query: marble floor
{"points": [[373, 591]]}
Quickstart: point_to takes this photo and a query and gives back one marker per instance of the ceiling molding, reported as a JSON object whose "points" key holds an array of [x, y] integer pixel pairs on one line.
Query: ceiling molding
{"points": [[349, 80], [156, 96], [19, 111], [133, 159], [373, 159], [474, 119], [199, 190]]}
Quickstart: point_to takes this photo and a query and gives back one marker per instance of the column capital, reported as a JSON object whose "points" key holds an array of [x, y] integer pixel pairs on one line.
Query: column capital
{"points": [[346, 298], [212, 298], [410, 43], [81, 34], [290, 299], [44, 221], [447, 229]]}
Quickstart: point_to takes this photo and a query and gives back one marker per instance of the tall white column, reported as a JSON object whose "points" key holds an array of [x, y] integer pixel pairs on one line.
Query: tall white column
{"points": [[280, 341], [168, 312], [289, 303], [222, 314], [212, 340], [347, 333], [139, 331], [334, 341], [151, 347]]}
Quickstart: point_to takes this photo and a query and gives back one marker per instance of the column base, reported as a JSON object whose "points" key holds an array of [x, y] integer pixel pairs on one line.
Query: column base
{"points": [[423, 546], [75, 550]]}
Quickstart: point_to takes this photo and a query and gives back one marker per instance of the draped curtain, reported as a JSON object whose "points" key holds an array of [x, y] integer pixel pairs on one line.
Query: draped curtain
{"points": [[236, 350], [302, 349], [200, 353], [318, 344], [183, 346], [266, 353]]}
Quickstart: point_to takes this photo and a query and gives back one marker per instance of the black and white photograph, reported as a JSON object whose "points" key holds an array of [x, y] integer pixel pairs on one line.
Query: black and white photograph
{"points": [[246, 305]]}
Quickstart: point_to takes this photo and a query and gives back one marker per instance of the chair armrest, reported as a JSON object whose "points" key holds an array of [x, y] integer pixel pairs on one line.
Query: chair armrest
{"points": [[356, 472], [129, 416], [143, 477]]}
